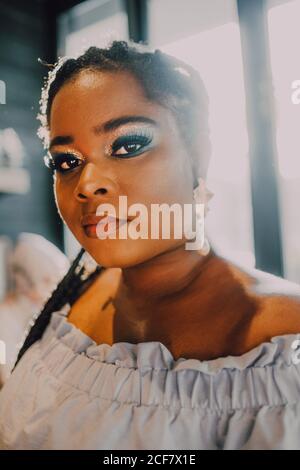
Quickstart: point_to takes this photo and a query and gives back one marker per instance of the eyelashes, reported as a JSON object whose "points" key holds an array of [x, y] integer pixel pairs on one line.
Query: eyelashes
{"points": [[129, 146], [126, 146], [62, 162]]}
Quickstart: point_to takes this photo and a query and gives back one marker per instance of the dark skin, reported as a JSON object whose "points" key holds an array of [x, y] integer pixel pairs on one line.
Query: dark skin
{"points": [[198, 306]]}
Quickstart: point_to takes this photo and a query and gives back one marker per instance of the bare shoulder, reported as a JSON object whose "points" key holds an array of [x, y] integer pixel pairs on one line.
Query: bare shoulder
{"points": [[279, 303], [84, 313], [103, 286]]}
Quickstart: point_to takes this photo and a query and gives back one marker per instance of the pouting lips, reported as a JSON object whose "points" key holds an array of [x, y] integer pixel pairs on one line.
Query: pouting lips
{"points": [[101, 226], [93, 219]]}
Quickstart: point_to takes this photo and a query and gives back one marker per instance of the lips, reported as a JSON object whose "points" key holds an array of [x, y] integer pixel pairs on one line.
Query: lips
{"points": [[91, 219], [109, 224]]}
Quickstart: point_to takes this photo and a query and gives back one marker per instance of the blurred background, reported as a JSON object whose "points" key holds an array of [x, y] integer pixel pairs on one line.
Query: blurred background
{"points": [[247, 54]]}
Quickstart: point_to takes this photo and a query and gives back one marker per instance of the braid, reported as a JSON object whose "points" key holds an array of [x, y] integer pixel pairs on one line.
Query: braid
{"points": [[68, 290]]}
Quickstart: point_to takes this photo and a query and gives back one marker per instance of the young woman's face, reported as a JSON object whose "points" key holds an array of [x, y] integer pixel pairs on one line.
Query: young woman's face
{"points": [[107, 141]]}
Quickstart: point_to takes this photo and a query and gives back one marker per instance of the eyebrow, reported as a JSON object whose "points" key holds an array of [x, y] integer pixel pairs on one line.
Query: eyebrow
{"points": [[113, 124], [105, 127], [61, 140]]}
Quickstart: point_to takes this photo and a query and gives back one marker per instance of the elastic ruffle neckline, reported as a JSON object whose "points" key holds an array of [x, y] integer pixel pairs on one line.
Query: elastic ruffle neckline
{"points": [[155, 355]]}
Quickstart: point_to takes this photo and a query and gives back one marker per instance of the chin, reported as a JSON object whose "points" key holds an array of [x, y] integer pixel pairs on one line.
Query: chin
{"points": [[123, 253]]}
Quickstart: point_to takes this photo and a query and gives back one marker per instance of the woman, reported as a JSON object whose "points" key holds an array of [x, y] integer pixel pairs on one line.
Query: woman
{"points": [[160, 347]]}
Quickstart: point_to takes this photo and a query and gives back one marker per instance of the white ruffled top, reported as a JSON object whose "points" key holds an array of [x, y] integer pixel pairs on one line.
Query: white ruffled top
{"points": [[67, 392]]}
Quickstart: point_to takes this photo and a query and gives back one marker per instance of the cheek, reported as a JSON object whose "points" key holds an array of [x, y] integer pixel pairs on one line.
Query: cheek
{"points": [[172, 179], [63, 200], [175, 163]]}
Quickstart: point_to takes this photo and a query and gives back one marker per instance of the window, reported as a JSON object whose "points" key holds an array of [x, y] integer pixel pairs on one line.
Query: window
{"points": [[92, 23], [284, 37], [206, 35]]}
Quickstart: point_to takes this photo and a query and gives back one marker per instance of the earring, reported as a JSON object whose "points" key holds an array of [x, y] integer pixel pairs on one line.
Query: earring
{"points": [[202, 195]]}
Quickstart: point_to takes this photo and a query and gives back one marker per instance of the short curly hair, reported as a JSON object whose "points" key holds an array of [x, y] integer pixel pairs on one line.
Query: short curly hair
{"points": [[165, 79]]}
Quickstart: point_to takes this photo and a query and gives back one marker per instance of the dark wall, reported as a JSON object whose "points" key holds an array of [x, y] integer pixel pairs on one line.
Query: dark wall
{"points": [[27, 33]]}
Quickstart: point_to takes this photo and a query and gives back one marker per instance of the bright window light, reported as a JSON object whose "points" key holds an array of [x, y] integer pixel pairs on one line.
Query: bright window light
{"points": [[98, 34], [284, 38], [284, 31], [216, 54]]}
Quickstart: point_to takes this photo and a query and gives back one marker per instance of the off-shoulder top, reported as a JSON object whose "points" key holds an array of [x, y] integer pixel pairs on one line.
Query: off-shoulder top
{"points": [[68, 392]]}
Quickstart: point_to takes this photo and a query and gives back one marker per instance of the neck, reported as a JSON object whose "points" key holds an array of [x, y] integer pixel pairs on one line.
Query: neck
{"points": [[152, 294], [164, 275]]}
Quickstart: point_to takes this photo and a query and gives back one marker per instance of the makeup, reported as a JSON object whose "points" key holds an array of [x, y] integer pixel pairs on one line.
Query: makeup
{"points": [[132, 143], [64, 161], [101, 226]]}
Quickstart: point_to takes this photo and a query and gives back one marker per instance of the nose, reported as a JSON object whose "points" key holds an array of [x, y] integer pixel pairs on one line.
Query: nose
{"points": [[93, 184]]}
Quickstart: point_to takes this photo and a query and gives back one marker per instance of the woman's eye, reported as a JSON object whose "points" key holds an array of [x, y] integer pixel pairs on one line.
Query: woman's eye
{"points": [[130, 146], [64, 162]]}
